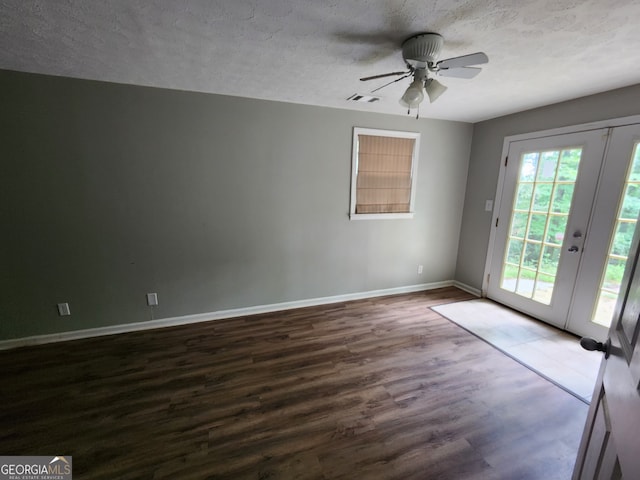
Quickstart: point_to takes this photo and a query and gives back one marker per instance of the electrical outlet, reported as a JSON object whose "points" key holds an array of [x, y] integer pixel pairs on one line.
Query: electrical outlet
{"points": [[152, 299], [488, 205], [419, 269], [63, 309]]}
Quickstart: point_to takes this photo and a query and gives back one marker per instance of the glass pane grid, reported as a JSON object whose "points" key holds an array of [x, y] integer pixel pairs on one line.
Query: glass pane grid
{"points": [[543, 197], [620, 243]]}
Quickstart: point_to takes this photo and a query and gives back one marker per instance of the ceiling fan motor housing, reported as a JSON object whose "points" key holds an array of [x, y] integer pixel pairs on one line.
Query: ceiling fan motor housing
{"points": [[421, 50]]}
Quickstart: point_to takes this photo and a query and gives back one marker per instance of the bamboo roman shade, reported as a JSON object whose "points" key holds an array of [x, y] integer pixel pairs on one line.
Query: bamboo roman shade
{"points": [[384, 174]]}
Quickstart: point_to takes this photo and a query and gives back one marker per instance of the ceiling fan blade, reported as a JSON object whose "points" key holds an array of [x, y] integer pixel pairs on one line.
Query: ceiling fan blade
{"points": [[472, 59], [392, 81], [461, 72], [364, 79]]}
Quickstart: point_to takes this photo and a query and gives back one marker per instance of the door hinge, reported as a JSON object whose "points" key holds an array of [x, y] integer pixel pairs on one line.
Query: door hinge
{"points": [[506, 160], [488, 278], [497, 221]]}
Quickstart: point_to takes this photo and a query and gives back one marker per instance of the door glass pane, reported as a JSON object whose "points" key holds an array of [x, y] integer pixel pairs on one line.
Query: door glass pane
{"points": [[519, 224], [544, 288], [548, 165], [631, 203], [529, 167], [556, 229], [523, 199], [625, 226], [542, 197], [622, 237], [550, 260], [562, 198], [509, 277], [537, 225], [532, 255], [526, 279], [538, 222], [569, 161], [514, 252]]}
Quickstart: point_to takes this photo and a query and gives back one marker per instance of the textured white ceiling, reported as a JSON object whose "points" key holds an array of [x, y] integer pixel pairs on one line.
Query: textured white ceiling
{"points": [[314, 52]]}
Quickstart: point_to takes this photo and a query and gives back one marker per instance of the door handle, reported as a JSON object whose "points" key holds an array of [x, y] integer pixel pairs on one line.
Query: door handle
{"points": [[573, 248], [591, 344]]}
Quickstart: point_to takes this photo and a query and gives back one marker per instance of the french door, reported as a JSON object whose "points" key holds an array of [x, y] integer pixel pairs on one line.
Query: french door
{"points": [[609, 449], [565, 222]]}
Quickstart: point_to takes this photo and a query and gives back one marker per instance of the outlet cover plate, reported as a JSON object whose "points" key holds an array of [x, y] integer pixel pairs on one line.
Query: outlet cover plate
{"points": [[152, 299], [63, 309]]}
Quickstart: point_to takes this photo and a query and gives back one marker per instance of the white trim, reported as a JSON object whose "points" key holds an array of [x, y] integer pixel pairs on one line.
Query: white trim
{"points": [[380, 216], [582, 127], [218, 315], [598, 125], [497, 199], [354, 172], [467, 288]]}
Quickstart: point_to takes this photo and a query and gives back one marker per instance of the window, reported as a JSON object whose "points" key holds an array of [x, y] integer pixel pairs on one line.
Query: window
{"points": [[383, 175]]}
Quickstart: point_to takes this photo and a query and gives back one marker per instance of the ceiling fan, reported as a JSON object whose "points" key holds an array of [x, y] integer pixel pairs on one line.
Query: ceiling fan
{"points": [[420, 53]]}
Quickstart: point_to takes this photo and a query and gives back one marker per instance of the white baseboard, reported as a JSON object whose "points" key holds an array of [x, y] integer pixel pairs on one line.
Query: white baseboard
{"points": [[467, 288], [205, 317]]}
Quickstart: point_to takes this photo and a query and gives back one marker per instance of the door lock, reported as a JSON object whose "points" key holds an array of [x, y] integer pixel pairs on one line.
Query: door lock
{"points": [[573, 248]]}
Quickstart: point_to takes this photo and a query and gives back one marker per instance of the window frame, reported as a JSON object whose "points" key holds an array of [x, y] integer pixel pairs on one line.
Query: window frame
{"points": [[354, 173]]}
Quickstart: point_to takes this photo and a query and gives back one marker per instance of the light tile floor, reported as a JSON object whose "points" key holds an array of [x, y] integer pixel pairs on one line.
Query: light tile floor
{"points": [[550, 352]]}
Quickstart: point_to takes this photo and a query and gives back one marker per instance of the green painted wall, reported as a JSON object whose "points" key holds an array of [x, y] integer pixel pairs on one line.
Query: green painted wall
{"points": [[112, 191]]}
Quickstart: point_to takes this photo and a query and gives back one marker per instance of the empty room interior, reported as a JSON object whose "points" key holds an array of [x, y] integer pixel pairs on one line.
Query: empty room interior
{"points": [[313, 240]]}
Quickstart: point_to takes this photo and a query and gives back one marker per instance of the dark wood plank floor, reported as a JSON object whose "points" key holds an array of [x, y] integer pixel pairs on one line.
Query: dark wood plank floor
{"points": [[373, 389]]}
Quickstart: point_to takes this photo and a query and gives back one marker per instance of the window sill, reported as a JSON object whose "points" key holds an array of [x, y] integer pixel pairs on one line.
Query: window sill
{"points": [[380, 216]]}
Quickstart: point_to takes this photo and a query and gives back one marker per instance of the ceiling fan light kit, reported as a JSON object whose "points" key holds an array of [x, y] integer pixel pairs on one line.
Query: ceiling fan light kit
{"points": [[434, 89], [414, 95], [420, 53]]}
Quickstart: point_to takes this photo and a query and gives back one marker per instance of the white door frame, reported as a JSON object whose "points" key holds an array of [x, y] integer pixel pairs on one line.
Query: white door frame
{"points": [[613, 122]]}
